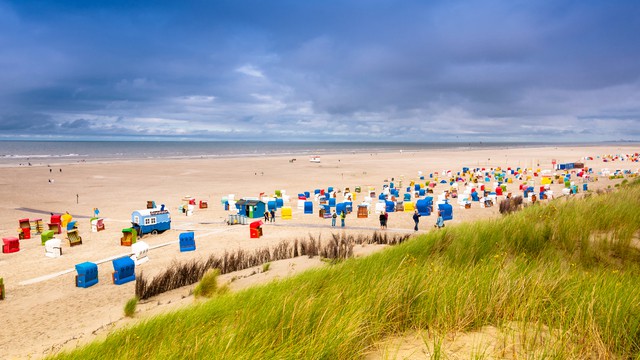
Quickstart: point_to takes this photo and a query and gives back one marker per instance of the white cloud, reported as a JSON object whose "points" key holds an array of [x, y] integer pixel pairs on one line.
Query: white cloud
{"points": [[250, 70]]}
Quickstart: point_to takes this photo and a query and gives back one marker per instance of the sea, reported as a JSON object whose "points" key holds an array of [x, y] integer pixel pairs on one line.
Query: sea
{"points": [[17, 153]]}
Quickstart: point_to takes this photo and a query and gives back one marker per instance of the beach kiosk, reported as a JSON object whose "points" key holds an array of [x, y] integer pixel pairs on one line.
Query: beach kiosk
{"points": [[152, 220], [251, 208]]}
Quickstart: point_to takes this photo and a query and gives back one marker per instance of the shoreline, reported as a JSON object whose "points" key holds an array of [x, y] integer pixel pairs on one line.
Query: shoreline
{"points": [[8, 161]]}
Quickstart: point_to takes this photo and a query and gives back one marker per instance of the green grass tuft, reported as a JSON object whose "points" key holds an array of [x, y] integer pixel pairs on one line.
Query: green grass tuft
{"points": [[266, 266], [131, 306], [208, 285]]}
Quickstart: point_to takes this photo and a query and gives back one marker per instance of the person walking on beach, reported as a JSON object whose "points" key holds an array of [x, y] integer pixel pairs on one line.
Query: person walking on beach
{"points": [[342, 217], [383, 220], [440, 221], [266, 216], [333, 218], [386, 219], [416, 219], [273, 215]]}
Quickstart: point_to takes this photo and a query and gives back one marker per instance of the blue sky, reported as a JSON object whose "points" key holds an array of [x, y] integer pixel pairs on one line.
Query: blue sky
{"points": [[320, 70]]}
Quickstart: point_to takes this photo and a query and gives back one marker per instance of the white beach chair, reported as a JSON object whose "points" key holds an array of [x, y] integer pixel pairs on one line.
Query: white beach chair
{"points": [[53, 248], [140, 250]]}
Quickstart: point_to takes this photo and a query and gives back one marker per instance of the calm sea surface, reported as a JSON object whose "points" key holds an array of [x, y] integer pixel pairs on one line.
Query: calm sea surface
{"points": [[45, 152]]}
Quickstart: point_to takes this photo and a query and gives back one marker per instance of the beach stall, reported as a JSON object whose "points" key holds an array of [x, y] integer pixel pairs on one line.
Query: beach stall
{"points": [[187, 241], [87, 274], [251, 208], [124, 270], [151, 220], [10, 245]]}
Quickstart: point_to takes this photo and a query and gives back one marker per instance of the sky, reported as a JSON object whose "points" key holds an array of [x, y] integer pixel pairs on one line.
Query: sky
{"points": [[363, 70]]}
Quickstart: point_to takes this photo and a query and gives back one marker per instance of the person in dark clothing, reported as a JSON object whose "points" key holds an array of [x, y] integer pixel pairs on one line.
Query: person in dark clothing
{"points": [[273, 215], [383, 220], [416, 219]]}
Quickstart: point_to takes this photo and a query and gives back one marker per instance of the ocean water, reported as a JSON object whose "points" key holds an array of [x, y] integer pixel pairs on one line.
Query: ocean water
{"points": [[56, 152]]}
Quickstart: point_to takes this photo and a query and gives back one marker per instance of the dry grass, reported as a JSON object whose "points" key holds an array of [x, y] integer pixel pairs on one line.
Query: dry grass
{"points": [[339, 247]]}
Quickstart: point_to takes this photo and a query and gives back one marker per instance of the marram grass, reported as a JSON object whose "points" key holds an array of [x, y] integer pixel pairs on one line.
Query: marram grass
{"points": [[567, 269]]}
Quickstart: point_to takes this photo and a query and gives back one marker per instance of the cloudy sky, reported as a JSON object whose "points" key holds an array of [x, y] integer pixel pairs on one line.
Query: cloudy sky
{"points": [[364, 70]]}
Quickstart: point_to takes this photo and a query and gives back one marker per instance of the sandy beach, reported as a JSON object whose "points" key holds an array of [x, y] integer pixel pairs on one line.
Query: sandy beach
{"points": [[44, 312]]}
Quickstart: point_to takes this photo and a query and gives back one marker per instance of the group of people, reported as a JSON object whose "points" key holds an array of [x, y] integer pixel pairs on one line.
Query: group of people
{"points": [[270, 216], [334, 216], [384, 218]]}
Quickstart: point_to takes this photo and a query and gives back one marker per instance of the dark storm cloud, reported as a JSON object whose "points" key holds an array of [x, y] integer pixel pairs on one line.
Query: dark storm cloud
{"points": [[451, 70]]}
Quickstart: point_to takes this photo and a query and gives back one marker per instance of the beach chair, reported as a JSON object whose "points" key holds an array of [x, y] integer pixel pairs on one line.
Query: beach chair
{"points": [[124, 270], [46, 235], [140, 250], [187, 241], [53, 248], [72, 225], [255, 229], [74, 238], [87, 274], [97, 224], [10, 245], [363, 211], [129, 237]]}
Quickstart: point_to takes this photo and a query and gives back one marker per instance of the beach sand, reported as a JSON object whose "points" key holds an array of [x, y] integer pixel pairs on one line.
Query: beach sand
{"points": [[40, 317]]}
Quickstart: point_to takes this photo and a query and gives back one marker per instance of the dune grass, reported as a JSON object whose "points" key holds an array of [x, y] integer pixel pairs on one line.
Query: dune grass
{"points": [[566, 268], [130, 307], [208, 285]]}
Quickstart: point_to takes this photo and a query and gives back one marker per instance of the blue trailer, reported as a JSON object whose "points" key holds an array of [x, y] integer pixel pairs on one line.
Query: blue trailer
{"points": [[151, 220]]}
